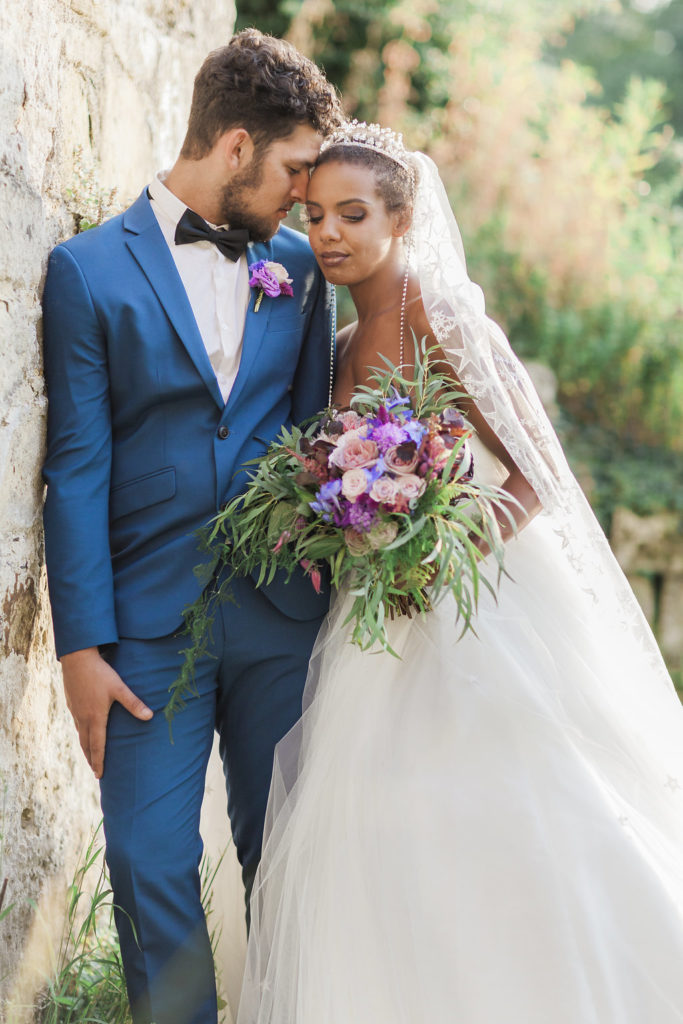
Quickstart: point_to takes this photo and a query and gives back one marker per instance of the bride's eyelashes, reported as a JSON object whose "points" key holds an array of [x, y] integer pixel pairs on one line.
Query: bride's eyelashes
{"points": [[348, 217]]}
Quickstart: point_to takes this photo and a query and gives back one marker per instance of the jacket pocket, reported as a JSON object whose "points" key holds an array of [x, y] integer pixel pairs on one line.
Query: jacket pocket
{"points": [[142, 491]]}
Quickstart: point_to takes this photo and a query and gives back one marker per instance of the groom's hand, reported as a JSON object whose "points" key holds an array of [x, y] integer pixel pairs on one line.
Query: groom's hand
{"points": [[91, 687]]}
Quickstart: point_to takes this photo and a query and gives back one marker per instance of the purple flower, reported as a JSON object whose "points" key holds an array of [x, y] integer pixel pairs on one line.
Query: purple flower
{"points": [[388, 435], [270, 278], [398, 401], [361, 515]]}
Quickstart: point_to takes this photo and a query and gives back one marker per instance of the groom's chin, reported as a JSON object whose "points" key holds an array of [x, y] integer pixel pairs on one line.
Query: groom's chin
{"points": [[264, 231]]}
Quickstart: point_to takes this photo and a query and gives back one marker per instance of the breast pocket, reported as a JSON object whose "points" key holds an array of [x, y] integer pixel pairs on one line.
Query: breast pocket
{"points": [[142, 491], [292, 322]]}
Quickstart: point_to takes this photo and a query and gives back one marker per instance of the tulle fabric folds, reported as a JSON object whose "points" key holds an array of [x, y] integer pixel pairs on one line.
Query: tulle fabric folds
{"points": [[475, 834]]}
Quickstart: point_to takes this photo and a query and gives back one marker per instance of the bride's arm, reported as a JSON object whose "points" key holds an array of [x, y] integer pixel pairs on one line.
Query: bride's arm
{"points": [[525, 504]]}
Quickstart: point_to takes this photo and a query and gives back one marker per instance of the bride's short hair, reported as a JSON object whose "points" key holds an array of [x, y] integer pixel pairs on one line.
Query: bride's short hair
{"points": [[395, 183]]}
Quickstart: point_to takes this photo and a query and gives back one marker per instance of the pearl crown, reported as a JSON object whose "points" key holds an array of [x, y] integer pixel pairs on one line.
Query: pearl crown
{"points": [[370, 136]]}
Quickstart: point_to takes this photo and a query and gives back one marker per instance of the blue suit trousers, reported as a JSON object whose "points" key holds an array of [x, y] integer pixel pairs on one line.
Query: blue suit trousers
{"points": [[250, 686]]}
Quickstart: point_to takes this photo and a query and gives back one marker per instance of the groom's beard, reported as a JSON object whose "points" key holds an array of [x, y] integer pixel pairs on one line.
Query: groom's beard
{"points": [[236, 200]]}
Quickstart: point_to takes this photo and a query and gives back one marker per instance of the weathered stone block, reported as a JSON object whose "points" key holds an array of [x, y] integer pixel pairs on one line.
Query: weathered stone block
{"points": [[647, 544]]}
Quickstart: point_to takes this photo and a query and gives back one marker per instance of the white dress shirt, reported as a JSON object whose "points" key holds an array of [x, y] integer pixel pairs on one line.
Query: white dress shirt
{"points": [[217, 288]]}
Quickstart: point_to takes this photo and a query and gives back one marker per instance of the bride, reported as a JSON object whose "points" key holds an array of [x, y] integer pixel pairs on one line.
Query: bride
{"points": [[488, 830]]}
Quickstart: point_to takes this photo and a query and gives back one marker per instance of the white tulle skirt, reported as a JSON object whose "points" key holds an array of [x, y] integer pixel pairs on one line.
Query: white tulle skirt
{"points": [[487, 831]]}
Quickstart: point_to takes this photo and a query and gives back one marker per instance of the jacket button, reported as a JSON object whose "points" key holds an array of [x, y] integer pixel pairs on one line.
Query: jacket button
{"points": [[223, 432]]}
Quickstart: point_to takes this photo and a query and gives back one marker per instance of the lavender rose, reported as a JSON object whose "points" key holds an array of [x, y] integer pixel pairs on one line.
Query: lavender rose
{"points": [[402, 458], [271, 278]]}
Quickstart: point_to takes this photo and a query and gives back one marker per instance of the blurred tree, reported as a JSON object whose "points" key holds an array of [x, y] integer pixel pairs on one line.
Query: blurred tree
{"points": [[640, 38]]}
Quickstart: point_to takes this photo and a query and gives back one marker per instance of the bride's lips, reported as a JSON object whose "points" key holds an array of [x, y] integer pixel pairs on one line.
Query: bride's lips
{"points": [[332, 259]]}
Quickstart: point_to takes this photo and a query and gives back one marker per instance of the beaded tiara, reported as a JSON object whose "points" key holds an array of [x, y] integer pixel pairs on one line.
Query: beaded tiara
{"points": [[370, 136]]}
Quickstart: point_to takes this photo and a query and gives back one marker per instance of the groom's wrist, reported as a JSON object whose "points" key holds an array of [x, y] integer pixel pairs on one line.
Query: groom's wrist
{"points": [[79, 657]]}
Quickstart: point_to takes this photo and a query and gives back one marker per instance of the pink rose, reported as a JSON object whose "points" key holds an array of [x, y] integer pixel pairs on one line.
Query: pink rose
{"points": [[354, 483], [350, 420], [384, 490], [381, 534], [357, 543], [401, 458], [354, 452], [412, 487]]}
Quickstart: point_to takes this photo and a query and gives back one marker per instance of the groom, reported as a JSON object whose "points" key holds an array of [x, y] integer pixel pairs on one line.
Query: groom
{"points": [[163, 379]]}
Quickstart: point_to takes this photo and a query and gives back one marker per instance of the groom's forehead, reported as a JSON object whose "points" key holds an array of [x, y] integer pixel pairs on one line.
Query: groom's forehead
{"points": [[303, 145]]}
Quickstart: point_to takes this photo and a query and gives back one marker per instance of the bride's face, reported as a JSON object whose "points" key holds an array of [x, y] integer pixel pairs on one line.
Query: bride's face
{"points": [[351, 232]]}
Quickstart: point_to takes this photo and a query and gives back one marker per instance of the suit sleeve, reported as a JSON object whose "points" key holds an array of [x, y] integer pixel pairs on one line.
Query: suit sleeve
{"points": [[310, 390], [77, 468]]}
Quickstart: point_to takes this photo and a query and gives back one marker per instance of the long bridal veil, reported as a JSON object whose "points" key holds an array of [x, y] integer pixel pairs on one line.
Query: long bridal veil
{"points": [[489, 370], [488, 829]]}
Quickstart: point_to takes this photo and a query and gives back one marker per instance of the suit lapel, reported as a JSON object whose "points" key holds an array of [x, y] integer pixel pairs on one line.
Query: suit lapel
{"points": [[254, 325], [149, 248]]}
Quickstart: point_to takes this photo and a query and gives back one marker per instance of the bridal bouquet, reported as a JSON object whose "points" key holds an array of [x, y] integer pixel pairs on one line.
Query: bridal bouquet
{"points": [[380, 494]]}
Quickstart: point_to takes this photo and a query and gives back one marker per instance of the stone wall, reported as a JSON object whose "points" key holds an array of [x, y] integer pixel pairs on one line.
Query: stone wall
{"points": [[650, 551], [113, 77]]}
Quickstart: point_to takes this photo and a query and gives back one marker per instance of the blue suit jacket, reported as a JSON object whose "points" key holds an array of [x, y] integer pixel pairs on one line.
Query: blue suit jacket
{"points": [[137, 459]]}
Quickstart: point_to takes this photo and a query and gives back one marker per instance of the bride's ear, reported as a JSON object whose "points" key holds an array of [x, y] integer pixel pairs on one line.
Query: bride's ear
{"points": [[402, 222]]}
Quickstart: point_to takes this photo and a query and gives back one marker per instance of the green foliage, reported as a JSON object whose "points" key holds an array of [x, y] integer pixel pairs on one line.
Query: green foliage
{"points": [[644, 479], [619, 41], [4, 882], [87, 985], [88, 203], [617, 370]]}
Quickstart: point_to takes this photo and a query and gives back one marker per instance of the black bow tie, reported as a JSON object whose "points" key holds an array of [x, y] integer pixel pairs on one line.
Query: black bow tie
{"points": [[191, 228]]}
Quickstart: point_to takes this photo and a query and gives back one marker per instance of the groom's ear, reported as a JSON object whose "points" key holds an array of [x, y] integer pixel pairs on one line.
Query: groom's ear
{"points": [[237, 149]]}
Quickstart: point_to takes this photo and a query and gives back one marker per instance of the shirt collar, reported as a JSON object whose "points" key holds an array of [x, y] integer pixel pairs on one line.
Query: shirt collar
{"points": [[169, 203]]}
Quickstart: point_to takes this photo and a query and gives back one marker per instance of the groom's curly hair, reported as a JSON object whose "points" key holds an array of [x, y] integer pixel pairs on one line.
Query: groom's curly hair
{"points": [[262, 84]]}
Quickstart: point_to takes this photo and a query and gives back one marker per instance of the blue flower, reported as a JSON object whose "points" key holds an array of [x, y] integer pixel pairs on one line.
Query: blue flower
{"points": [[327, 499], [415, 430]]}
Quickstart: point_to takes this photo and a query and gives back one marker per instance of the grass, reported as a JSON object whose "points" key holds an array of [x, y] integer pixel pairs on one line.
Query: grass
{"points": [[87, 985]]}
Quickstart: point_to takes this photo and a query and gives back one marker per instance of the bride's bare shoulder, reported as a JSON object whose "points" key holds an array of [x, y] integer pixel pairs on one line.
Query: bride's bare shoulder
{"points": [[344, 337]]}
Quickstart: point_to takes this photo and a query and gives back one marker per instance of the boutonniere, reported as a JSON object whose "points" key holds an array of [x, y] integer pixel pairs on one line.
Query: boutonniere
{"points": [[270, 278]]}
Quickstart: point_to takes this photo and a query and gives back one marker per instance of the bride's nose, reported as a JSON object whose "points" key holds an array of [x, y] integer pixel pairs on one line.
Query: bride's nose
{"points": [[329, 229]]}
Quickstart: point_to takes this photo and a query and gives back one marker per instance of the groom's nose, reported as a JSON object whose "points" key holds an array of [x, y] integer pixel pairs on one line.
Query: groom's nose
{"points": [[299, 187]]}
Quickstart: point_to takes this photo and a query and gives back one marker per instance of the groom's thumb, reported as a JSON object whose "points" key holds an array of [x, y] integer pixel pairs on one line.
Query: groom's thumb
{"points": [[132, 703]]}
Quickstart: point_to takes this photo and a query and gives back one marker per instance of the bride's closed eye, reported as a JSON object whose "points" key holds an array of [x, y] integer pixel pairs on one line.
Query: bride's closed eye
{"points": [[349, 217]]}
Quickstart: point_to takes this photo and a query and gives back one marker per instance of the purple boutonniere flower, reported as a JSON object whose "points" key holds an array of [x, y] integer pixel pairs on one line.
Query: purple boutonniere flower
{"points": [[270, 278]]}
